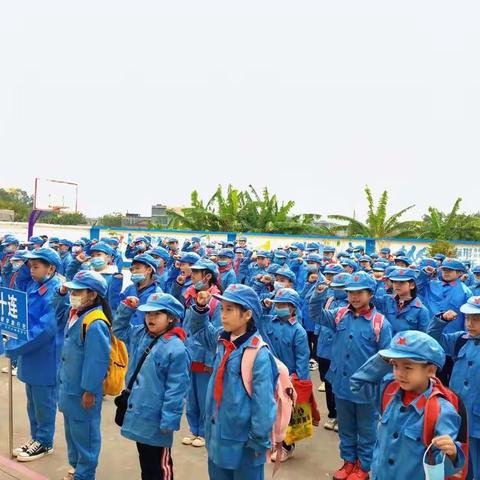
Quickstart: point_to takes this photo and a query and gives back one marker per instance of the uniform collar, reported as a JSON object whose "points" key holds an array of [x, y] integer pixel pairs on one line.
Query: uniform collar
{"points": [[242, 339], [419, 403], [366, 313], [290, 321]]}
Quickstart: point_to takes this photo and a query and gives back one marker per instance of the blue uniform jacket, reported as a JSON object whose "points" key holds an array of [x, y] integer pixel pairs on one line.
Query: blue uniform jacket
{"points": [[413, 316], [158, 394], [227, 278], [84, 363], [288, 341], [66, 259], [439, 296], [132, 291], [45, 337], [306, 294], [238, 431], [465, 379], [354, 342], [399, 448]]}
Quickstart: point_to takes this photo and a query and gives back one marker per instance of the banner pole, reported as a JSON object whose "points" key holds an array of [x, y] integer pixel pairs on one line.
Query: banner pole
{"points": [[10, 408]]}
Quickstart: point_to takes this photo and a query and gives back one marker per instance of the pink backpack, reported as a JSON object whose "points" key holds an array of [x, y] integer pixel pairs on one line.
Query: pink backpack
{"points": [[285, 396], [377, 321]]}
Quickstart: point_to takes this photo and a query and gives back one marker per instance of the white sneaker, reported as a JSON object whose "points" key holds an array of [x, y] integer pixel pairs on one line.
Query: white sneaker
{"points": [[336, 427], [330, 424], [14, 370], [286, 454], [188, 440], [34, 451], [198, 442], [22, 449], [321, 388], [313, 365]]}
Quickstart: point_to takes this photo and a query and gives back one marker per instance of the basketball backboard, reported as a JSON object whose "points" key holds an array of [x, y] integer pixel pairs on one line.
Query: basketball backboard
{"points": [[55, 195]]}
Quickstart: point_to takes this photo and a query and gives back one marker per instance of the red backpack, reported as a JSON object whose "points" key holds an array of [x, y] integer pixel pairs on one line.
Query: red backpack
{"points": [[377, 321], [431, 413]]}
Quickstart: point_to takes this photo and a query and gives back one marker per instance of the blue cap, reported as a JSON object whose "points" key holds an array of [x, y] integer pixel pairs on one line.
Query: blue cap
{"points": [[360, 281], [263, 253], [374, 256], [402, 258], [20, 255], [314, 257], [287, 295], [389, 269], [472, 307], [400, 253], [358, 248], [328, 249], [428, 262], [88, 279], [172, 240], [294, 255], [206, 264], [47, 254], [36, 241], [229, 244], [280, 254], [190, 257], [467, 263], [160, 252], [147, 260], [379, 266], [385, 250], [239, 250], [79, 243], [416, 346], [440, 256], [476, 269], [140, 239], [340, 279], [53, 240], [86, 240], [402, 275], [286, 272], [313, 246], [102, 247], [365, 258], [226, 252], [333, 268], [273, 268], [163, 302], [112, 241], [65, 241], [342, 255], [244, 296], [196, 239], [298, 245], [242, 238], [350, 263], [10, 239], [453, 264]]}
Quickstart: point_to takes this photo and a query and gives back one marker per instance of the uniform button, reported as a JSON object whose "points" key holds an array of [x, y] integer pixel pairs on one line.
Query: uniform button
{"points": [[390, 461], [66, 336], [130, 406], [470, 363], [63, 359], [213, 421], [348, 355], [61, 381], [465, 382], [344, 374], [403, 409], [350, 336], [395, 435]]}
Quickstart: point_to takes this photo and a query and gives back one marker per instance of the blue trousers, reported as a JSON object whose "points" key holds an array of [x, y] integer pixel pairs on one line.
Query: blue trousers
{"points": [[474, 459], [83, 444], [251, 473], [196, 400], [357, 430], [41, 409]]}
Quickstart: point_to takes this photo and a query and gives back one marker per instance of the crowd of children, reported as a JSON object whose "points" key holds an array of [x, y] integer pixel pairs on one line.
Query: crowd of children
{"points": [[396, 345]]}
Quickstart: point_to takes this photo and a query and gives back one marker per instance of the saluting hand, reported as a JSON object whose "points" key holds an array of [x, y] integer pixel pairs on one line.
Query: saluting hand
{"points": [[203, 298]]}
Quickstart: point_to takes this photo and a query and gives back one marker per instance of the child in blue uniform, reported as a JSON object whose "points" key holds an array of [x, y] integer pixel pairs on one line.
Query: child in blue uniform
{"points": [[156, 401], [225, 266], [238, 426], [475, 285], [162, 256], [359, 332], [404, 310], [399, 450], [41, 350], [464, 348], [83, 368]]}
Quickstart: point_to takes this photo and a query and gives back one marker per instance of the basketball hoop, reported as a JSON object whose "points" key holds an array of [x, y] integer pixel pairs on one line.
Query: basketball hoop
{"points": [[57, 208]]}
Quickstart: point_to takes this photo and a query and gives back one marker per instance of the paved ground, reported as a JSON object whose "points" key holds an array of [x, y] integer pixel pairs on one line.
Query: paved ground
{"points": [[315, 458]]}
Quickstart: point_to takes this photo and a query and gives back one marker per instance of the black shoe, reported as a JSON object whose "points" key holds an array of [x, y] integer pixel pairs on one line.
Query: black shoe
{"points": [[34, 451]]}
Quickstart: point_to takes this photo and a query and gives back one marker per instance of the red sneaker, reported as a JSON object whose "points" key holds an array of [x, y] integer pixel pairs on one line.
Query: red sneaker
{"points": [[358, 473], [345, 471]]}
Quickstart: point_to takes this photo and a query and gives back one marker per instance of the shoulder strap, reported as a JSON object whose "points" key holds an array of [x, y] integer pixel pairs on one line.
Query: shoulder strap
{"points": [[377, 323], [388, 393], [141, 362], [329, 302], [212, 306], [248, 360], [90, 317], [430, 416], [340, 314]]}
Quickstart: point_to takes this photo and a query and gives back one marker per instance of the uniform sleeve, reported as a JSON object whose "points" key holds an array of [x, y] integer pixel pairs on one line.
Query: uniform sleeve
{"points": [[423, 319], [316, 305], [380, 299], [422, 282], [302, 354], [203, 330], [114, 290], [122, 328], [263, 402], [72, 269], [176, 388], [446, 340], [96, 358], [385, 335]]}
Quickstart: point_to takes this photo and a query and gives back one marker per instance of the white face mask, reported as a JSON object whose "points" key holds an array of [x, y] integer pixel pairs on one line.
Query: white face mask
{"points": [[433, 472], [76, 301]]}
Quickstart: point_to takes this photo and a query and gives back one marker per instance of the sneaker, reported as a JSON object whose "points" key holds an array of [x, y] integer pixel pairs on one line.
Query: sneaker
{"points": [[188, 440], [14, 370], [335, 428], [34, 451], [313, 365], [285, 454], [198, 442], [321, 388], [330, 424], [358, 473], [22, 449], [344, 472]]}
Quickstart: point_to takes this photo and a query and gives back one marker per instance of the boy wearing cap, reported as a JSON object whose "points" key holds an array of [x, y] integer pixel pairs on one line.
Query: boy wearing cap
{"points": [[258, 263], [464, 348], [238, 426], [156, 401], [42, 349], [227, 274], [359, 331], [399, 449], [162, 257]]}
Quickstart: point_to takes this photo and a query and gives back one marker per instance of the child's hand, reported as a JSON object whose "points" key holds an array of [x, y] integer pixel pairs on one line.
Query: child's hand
{"points": [[429, 270], [203, 298], [63, 290], [268, 303], [132, 302], [88, 400], [181, 279], [81, 257], [313, 277], [449, 315], [446, 444], [322, 287]]}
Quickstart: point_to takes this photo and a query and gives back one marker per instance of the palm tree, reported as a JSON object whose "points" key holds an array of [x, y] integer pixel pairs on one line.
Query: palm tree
{"points": [[377, 224]]}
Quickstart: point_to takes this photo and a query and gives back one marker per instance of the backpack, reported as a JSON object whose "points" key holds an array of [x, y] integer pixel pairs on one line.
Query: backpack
{"points": [[117, 369], [431, 413], [377, 321], [285, 396]]}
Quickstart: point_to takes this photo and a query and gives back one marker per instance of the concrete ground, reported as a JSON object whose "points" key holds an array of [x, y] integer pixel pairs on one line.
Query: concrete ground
{"points": [[315, 458]]}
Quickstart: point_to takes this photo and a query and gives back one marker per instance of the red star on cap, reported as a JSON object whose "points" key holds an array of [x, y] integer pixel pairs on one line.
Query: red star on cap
{"points": [[356, 278], [476, 300], [232, 288], [402, 341], [402, 272]]}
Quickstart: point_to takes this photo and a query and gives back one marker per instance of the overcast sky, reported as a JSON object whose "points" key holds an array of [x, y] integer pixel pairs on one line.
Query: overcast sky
{"points": [[143, 101]]}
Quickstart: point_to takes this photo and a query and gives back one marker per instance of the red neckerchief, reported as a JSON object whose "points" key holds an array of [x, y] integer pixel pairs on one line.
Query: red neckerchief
{"points": [[179, 332], [365, 312], [191, 294], [229, 347], [452, 283], [225, 268], [408, 397], [238, 261]]}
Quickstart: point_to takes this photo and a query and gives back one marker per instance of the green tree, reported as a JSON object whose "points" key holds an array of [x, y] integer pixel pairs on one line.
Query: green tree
{"points": [[74, 218], [441, 246], [110, 220], [377, 224], [17, 200]]}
